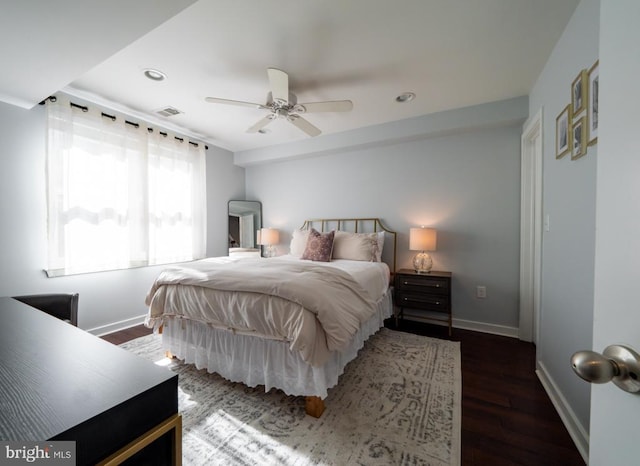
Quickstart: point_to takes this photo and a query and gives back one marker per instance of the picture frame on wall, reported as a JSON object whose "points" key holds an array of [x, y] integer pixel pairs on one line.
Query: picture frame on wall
{"points": [[592, 109], [579, 138], [579, 93], [563, 132]]}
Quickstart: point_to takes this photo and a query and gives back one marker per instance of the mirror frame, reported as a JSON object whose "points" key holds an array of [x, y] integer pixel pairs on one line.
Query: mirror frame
{"points": [[236, 208]]}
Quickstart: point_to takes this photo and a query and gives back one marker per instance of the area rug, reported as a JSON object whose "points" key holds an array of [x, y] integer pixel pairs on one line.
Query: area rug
{"points": [[398, 403]]}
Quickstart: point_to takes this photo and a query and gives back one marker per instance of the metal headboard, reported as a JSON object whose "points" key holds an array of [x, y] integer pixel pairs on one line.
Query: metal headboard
{"points": [[357, 225]]}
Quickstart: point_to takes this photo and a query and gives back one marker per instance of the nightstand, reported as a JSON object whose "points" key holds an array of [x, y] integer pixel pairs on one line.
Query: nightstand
{"points": [[426, 295]]}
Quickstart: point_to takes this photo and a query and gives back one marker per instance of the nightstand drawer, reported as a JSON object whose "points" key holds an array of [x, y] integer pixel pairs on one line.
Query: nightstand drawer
{"points": [[422, 284], [429, 302], [423, 295]]}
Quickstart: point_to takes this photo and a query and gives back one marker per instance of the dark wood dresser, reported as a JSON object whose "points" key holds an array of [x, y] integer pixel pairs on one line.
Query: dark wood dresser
{"points": [[427, 296], [58, 382]]}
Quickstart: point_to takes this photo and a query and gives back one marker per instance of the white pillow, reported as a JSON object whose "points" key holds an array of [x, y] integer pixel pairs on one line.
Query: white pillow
{"points": [[380, 246], [357, 246], [298, 242]]}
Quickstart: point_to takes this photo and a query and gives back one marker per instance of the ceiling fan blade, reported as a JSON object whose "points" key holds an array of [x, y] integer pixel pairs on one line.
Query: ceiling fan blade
{"points": [[261, 123], [279, 81], [329, 106], [304, 125], [215, 100]]}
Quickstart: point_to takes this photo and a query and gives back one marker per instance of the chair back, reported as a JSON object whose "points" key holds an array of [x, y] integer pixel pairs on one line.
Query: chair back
{"points": [[64, 306]]}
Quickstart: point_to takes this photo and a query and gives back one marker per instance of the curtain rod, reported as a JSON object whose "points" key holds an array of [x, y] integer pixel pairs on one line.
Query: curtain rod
{"points": [[84, 108]]}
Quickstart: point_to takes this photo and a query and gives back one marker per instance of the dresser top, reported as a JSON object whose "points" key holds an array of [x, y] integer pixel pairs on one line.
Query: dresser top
{"points": [[433, 273], [54, 376]]}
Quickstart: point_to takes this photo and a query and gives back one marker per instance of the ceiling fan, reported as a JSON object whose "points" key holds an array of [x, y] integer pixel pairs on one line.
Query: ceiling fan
{"points": [[283, 104]]}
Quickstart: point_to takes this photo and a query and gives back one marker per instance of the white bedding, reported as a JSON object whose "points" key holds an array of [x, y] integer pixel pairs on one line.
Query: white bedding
{"points": [[260, 361], [315, 307], [373, 276]]}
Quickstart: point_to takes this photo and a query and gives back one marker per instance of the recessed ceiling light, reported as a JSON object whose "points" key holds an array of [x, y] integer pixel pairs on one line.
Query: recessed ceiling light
{"points": [[405, 97], [155, 75]]}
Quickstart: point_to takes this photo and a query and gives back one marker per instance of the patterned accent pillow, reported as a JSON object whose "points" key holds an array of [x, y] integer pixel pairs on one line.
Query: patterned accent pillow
{"points": [[319, 246]]}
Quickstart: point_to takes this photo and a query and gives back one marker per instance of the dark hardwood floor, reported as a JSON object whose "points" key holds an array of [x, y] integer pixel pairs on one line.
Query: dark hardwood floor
{"points": [[507, 417], [125, 335]]}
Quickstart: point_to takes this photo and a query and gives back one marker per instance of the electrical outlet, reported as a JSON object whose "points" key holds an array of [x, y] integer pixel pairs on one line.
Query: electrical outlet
{"points": [[481, 292]]}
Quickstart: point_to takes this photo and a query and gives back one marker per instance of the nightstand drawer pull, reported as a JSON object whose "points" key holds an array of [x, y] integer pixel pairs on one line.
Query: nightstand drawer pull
{"points": [[432, 285], [437, 303]]}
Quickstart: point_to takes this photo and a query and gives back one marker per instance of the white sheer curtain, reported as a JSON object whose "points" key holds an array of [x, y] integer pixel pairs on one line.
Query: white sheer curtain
{"points": [[177, 187], [120, 196]]}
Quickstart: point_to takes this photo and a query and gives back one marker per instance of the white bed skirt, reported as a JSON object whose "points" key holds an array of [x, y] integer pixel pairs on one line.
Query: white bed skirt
{"points": [[257, 361]]}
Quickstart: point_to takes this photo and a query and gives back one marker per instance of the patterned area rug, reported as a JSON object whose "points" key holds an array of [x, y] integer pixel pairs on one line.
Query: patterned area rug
{"points": [[398, 402]]}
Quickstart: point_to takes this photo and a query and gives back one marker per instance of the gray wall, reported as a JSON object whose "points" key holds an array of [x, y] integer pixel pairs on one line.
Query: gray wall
{"points": [[569, 200], [464, 181], [108, 300]]}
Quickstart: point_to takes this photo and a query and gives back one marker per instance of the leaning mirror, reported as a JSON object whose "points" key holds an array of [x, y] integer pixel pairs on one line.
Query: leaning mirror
{"points": [[245, 219]]}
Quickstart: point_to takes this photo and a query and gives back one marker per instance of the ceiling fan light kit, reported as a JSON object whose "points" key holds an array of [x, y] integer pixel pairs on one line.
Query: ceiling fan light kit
{"points": [[284, 105]]}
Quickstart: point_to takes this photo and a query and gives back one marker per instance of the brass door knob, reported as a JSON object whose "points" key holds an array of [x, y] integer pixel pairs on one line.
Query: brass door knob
{"points": [[617, 363]]}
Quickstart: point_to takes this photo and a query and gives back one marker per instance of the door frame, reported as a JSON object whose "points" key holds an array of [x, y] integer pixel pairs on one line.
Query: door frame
{"points": [[531, 155]]}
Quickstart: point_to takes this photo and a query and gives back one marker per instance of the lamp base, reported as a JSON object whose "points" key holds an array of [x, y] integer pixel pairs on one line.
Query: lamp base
{"points": [[422, 263], [271, 251]]}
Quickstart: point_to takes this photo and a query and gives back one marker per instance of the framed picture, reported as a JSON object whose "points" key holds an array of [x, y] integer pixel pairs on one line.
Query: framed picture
{"points": [[579, 93], [563, 132], [592, 109], [579, 138]]}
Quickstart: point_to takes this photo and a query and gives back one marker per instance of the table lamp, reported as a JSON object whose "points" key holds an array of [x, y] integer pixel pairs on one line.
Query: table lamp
{"points": [[422, 239], [269, 237]]}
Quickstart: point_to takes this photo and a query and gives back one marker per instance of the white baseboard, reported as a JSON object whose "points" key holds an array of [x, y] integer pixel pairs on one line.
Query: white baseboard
{"points": [[577, 432], [117, 326], [483, 327]]}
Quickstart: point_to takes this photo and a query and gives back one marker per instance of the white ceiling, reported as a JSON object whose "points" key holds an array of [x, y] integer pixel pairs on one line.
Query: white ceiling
{"points": [[44, 44], [450, 53]]}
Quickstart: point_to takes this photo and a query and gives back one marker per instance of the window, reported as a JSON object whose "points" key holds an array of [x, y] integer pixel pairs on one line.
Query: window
{"points": [[119, 195]]}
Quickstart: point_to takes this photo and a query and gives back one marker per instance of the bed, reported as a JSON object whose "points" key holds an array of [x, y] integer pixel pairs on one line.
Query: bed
{"points": [[291, 322]]}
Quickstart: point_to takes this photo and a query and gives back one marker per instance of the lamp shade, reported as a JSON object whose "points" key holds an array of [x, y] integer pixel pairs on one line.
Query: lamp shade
{"points": [[258, 237], [422, 239], [269, 236]]}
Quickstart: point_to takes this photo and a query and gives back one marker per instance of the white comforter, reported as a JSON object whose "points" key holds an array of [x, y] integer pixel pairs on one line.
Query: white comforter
{"points": [[317, 307]]}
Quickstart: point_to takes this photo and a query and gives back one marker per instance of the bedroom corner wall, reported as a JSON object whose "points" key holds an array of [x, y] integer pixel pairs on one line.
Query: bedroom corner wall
{"points": [[465, 182], [108, 300], [568, 262]]}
